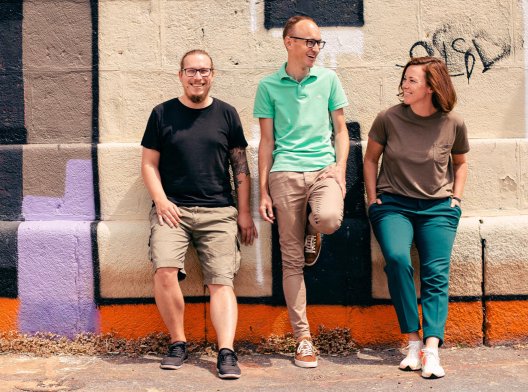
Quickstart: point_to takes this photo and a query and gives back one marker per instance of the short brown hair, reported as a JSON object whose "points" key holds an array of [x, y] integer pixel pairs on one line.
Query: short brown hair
{"points": [[438, 79], [195, 51], [290, 23]]}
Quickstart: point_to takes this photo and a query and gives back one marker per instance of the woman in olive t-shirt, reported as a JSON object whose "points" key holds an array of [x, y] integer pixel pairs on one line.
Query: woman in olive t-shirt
{"points": [[416, 197]]}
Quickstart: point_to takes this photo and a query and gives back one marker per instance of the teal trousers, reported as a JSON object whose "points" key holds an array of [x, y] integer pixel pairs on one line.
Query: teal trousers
{"points": [[432, 225]]}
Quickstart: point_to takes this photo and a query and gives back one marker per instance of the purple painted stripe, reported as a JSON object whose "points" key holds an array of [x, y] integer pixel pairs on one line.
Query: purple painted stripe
{"points": [[77, 202], [55, 278]]}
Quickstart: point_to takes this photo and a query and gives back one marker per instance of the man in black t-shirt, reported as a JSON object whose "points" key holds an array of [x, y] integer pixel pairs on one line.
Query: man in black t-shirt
{"points": [[189, 144]]}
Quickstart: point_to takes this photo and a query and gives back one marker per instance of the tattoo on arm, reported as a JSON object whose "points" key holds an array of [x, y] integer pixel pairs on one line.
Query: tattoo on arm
{"points": [[239, 163]]}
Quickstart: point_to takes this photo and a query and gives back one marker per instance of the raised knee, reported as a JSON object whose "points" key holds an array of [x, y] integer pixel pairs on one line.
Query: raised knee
{"points": [[328, 223]]}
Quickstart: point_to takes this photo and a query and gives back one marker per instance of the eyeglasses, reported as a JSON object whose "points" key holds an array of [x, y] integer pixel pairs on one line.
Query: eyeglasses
{"points": [[311, 42], [204, 72]]}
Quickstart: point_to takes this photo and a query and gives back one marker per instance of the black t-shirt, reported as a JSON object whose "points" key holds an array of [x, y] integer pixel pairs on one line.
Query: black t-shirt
{"points": [[194, 149]]}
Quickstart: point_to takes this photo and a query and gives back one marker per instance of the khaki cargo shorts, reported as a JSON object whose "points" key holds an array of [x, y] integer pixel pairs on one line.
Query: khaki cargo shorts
{"points": [[214, 234]]}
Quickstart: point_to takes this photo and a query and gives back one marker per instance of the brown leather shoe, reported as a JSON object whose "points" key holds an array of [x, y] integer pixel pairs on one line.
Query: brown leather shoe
{"points": [[305, 353], [312, 249]]}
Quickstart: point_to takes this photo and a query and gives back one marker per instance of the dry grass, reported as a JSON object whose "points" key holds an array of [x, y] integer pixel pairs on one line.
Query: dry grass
{"points": [[328, 341]]}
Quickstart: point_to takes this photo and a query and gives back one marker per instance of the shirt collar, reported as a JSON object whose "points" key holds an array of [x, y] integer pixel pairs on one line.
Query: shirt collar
{"points": [[314, 72]]}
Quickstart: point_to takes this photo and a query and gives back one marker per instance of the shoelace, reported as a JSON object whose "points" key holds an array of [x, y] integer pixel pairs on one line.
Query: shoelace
{"points": [[413, 347], [305, 348], [228, 358], [176, 351], [430, 355], [309, 243]]}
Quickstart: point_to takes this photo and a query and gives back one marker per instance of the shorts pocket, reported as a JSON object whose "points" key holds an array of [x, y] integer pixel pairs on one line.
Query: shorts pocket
{"points": [[237, 255]]}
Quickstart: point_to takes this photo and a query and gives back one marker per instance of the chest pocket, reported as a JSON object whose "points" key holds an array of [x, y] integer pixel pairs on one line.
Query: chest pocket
{"points": [[441, 153]]}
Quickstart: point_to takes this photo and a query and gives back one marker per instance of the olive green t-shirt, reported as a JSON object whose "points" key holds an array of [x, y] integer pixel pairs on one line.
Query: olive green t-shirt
{"points": [[417, 151]]}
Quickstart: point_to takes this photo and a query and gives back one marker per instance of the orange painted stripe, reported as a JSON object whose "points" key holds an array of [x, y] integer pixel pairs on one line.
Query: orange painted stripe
{"points": [[506, 321], [464, 324], [9, 311], [134, 321], [369, 325]]}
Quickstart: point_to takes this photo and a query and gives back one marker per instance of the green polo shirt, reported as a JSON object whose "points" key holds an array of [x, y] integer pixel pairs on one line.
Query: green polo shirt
{"points": [[302, 125]]}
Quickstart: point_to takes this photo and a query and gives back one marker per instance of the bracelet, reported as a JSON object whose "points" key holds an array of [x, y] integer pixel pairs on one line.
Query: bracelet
{"points": [[457, 199]]}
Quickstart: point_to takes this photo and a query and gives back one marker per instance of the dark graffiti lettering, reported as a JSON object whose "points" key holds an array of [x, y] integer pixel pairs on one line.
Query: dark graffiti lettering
{"points": [[424, 44], [461, 53], [485, 58]]}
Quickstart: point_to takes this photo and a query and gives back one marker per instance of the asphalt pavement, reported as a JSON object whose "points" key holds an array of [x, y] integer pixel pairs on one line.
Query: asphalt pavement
{"points": [[502, 369]]}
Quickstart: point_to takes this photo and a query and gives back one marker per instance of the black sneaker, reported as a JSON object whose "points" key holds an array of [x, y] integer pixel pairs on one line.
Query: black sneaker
{"points": [[226, 365], [175, 357]]}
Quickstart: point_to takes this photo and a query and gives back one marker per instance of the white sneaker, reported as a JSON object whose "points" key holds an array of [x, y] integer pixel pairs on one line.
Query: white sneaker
{"points": [[413, 360], [431, 367]]}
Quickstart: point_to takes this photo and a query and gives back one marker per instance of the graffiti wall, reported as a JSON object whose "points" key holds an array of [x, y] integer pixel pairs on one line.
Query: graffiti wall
{"points": [[79, 79]]}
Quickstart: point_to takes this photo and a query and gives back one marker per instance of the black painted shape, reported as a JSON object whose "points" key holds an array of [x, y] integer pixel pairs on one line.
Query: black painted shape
{"points": [[95, 176], [324, 12], [11, 183], [342, 275], [96, 266], [95, 105], [94, 8], [8, 259], [355, 199], [12, 128]]}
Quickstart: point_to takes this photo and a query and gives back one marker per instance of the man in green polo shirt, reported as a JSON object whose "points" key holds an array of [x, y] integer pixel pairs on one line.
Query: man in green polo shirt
{"points": [[302, 170]]}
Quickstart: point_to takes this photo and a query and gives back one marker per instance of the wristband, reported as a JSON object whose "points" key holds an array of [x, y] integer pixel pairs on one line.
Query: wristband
{"points": [[457, 199]]}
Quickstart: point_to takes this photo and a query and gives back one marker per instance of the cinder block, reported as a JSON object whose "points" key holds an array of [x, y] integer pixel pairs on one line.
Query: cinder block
{"points": [[8, 259], [111, 108], [506, 322], [11, 162], [466, 265], [466, 260], [254, 279], [496, 91], [506, 255], [380, 23], [50, 179], [55, 278], [126, 271], [122, 193], [493, 184], [130, 34], [59, 107], [57, 56], [62, 189], [57, 35], [241, 48], [523, 157], [127, 99]]}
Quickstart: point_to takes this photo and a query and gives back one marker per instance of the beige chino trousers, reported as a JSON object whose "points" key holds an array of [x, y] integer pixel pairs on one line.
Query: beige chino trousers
{"points": [[291, 193]]}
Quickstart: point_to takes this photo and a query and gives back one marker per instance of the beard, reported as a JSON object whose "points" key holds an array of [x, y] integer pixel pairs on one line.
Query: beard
{"points": [[197, 98]]}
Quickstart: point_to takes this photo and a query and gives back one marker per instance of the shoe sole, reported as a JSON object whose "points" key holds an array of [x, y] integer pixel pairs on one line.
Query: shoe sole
{"points": [[310, 264], [228, 376], [410, 369], [303, 364], [432, 376], [313, 262], [172, 367]]}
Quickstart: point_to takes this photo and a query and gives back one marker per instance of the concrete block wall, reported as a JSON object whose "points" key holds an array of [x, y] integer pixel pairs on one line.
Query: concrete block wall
{"points": [[80, 78]]}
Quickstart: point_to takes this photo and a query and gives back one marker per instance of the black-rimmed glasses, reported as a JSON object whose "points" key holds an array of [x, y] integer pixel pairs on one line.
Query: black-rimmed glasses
{"points": [[204, 72], [311, 42]]}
